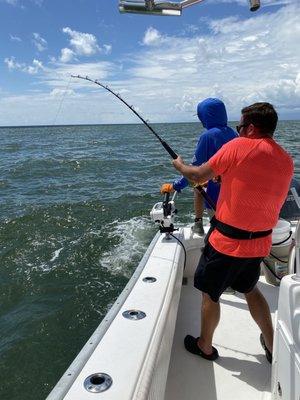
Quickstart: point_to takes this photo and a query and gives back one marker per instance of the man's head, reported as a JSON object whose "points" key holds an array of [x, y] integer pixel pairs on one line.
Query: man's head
{"points": [[259, 119]]}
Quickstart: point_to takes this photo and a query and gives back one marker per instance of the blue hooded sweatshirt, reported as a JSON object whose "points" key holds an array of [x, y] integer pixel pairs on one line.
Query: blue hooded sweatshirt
{"points": [[212, 113]]}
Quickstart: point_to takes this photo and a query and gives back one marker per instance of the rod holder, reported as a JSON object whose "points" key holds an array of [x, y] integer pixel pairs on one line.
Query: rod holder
{"points": [[98, 383]]}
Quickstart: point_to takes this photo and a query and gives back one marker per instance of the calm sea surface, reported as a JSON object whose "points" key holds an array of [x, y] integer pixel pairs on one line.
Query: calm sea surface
{"points": [[74, 223]]}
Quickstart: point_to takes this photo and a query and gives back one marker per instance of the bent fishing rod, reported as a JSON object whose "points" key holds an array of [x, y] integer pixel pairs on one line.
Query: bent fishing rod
{"points": [[164, 144]]}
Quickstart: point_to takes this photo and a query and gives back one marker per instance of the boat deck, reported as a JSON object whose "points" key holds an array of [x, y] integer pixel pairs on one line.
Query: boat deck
{"points": [[241, 372]]}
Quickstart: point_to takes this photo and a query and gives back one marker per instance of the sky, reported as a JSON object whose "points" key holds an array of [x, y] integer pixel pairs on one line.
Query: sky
{"points": [[163, 66]]}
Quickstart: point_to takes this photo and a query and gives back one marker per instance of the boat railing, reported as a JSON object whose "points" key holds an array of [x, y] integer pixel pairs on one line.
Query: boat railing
{"points": [[297, 250]]}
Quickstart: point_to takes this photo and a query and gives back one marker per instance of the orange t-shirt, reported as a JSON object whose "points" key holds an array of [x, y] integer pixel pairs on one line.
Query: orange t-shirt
{"points": [[256, 175]]}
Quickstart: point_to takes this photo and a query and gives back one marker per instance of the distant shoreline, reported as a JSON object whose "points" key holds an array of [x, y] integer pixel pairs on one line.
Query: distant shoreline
{"points": [[138, 123]]}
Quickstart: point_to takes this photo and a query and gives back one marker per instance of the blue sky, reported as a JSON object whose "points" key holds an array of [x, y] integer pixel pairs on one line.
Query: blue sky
{"points": [[162, 65]]}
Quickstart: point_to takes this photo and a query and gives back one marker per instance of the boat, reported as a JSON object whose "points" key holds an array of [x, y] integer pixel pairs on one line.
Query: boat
{"points": [[137, 352]]}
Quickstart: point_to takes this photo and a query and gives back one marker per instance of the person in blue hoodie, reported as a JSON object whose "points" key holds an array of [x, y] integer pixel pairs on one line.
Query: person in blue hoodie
{"points": [[212, 113]]}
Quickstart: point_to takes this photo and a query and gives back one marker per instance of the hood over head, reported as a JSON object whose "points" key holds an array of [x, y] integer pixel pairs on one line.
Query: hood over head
{"points": [[212, 113]]}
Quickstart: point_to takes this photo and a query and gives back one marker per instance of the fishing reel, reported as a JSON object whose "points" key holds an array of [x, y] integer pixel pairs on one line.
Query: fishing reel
{"points": [[164, 214]]}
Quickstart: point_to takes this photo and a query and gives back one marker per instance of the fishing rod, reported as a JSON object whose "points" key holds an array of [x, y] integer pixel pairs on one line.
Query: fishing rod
{"points": [[165, 144]]}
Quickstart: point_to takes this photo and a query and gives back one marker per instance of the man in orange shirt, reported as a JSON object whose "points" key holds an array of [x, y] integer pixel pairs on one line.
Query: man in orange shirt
{"points": [[256, 174]]}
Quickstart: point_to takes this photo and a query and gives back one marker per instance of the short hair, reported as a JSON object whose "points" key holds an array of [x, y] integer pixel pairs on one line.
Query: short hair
{"points": [[261, 115]]}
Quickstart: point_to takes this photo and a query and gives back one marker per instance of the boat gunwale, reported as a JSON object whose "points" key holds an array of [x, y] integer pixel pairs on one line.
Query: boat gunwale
{"points": [[62, 387]]}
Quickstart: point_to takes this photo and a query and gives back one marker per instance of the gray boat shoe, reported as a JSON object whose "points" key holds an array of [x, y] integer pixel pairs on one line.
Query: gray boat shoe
{"points": [[198, 227]]}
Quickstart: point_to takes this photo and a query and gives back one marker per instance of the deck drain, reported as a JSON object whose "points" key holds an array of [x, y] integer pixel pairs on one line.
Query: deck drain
{"points": [[134, 314], [98, 383], [149, 279]]}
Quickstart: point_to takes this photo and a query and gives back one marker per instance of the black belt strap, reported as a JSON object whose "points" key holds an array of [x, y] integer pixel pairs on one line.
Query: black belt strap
{"points": [[236, 233]]}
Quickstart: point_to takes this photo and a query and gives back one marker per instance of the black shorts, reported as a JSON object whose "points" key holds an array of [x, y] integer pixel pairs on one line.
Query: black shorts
{"points": [[216, 272]]}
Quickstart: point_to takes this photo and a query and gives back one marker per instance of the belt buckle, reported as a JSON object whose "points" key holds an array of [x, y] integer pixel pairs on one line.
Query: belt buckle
{"points": [[250, 235]]}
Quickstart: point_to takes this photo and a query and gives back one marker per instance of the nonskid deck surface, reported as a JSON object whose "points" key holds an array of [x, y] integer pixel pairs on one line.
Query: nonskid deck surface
{"points": [[241, 372]]}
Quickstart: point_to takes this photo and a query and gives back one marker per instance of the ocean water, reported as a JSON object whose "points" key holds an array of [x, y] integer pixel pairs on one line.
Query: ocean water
{"points": [[74, 223]]}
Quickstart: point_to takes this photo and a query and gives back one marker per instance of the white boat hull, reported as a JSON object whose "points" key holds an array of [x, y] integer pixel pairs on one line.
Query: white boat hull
{"points": [[146, 359]]}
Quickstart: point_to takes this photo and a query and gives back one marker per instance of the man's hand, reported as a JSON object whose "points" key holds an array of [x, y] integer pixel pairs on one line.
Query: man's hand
{"points": [[193, 173], [178, 163], [167, 188], [217, 179], [204, 184]]}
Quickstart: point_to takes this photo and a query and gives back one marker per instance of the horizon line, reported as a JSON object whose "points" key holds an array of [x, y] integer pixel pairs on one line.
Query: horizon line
{"points": [[102, 124]]}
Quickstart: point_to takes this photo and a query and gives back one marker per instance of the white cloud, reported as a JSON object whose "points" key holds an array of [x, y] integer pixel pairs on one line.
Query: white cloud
{"points": [[20, 3], [80, 98], [39, 42], [34, 68], [239, 60], [285, 92], [58, 92], [47, 107], [264, 3], [67, 55], [15, 38], [107, 48], [11, 2], [152, 36], [12, 64], [59, 76], [83, 44]]}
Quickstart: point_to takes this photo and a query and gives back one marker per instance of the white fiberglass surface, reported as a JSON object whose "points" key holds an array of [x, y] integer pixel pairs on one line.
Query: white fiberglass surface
{"points": [[241, 372], [126, 351]]}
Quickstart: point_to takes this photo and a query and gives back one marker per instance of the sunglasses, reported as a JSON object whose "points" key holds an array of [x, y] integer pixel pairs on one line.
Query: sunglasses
{"points": [[239, 127]]}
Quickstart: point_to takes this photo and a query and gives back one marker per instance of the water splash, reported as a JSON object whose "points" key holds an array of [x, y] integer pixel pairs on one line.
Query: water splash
{"points": [[132, 237], [56, 254]]}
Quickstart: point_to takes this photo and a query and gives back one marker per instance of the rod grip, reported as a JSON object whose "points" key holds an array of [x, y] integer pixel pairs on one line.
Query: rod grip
{"points": [[169, 150]]}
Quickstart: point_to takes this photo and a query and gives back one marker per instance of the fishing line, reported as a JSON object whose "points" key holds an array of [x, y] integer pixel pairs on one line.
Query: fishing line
{"points": [[62, 100], [164, 144]]}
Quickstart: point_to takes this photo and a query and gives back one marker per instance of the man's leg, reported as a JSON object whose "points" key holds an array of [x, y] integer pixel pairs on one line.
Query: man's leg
{"points": [[260, 312], [198, 204], [199, 209], [210, 317]]}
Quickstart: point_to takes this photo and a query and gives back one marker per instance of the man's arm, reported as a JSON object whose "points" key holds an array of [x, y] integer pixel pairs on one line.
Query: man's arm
{"points": [[180, 183], [200, 157], [199, 174]]}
